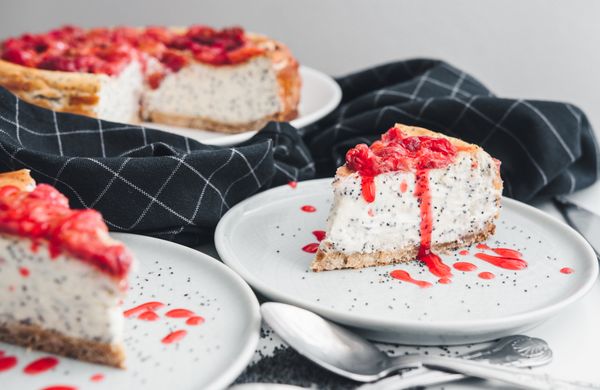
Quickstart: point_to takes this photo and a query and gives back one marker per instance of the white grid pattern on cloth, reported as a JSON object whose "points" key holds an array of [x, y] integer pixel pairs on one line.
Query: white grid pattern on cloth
{"points": [[150, 170], [95, 170], [438, 96]]}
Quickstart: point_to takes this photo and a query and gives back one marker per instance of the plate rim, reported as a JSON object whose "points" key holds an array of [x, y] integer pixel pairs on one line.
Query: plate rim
{"points": [[244, 356], [230, 259]]}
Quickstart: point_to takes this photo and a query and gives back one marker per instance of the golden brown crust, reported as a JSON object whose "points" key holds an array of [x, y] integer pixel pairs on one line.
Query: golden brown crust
{"points": [[20, 179], [198, 122], [74, 92], [35, 337], [327, 261], [288, 75]]}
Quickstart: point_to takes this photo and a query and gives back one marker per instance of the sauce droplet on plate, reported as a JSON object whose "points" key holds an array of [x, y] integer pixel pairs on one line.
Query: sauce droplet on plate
{"points": [[567, 270], [311, 248], [179, 313], [142, 308], [405, 277], [465, 266], [308, 208], [7, 362], [40, 365], [195, 320], [486, 275], [319, 235], [174, 337]]}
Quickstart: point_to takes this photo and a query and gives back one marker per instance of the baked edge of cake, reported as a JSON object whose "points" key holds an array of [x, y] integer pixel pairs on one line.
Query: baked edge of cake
{"points": [[329, 261], [51, 341]]}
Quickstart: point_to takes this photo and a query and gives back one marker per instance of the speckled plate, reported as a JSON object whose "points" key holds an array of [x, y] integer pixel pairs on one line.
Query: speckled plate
{"points": [[261, 238], [210, 356], [319, 95]]}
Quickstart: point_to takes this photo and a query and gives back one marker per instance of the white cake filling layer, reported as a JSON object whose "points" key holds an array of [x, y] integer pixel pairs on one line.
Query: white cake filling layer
{"points": [[463, 200], [63, 294], [120, 95], [231, 94]]}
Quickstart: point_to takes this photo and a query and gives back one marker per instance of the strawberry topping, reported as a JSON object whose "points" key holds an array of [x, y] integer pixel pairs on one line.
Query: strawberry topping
{"points": [[44, 213]]}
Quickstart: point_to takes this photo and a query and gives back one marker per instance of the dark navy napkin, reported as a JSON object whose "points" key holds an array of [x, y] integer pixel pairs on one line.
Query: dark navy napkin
{"points": [[151, 182]]}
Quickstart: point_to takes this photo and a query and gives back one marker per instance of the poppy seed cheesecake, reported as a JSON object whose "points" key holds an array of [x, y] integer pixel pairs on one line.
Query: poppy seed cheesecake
{"points": [[407, 196], [224, 80], [62, 277]]}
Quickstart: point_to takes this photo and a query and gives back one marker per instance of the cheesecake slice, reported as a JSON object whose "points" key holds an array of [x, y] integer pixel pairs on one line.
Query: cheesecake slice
{"points": [[409, 195], [62, 278], [226, 80]]}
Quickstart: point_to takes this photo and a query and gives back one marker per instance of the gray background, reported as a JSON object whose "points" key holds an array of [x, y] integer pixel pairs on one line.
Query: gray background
{"points": [[542, 49]]}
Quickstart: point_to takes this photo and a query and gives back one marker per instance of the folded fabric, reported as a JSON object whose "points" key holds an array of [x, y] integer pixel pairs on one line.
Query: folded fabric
{"points": [[151, 182]]}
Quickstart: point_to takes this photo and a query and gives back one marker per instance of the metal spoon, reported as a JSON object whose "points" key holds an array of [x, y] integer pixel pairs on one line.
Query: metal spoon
{"points": [[515, 351], [349, 355]]}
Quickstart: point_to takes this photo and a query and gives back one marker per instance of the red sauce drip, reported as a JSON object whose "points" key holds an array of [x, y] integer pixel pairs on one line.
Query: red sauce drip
{"points": [[371, 213], [482, 246], [148, 316], [35, 245], [174, 337], [368, 188], [486, 275], [195, 320], [511, 263], [179, 313], [97, 378], [445, 281], [24, 271], [465, 266], [398, 152], [81, 233], [308, 208], [433, 261], [464, 252], [7, 362], [293, 184], [40, 365], [567, 270], [60, 387], [311, 248], [142, 308], [319, 235], [403, 186], [405, 277]]}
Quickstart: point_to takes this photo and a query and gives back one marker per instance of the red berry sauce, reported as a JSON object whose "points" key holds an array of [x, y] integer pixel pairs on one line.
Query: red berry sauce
{"points": [[44, 214], [110, 50], [398, 152]]}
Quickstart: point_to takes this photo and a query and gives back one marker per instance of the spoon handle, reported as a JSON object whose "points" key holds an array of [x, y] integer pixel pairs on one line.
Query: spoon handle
{"points": [[513, 376]]}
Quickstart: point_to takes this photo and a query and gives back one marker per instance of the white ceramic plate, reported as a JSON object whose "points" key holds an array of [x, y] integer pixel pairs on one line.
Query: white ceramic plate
{"points": [[210, 356], [319, 95], [261, 238]]}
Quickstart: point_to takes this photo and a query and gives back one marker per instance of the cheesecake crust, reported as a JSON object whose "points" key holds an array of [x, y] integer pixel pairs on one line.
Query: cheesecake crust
{"points": [[38, 338], [328, 261], [21, 179], [73, 92]]}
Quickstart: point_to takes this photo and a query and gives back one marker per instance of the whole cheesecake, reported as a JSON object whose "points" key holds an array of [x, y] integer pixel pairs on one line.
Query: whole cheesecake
{"points": [[409, 195], [221, 80]]}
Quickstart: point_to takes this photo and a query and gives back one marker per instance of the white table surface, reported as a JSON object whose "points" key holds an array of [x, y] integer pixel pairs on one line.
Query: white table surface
{"points": [[573, 334]]}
